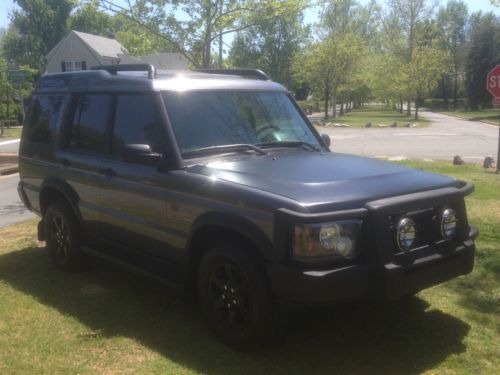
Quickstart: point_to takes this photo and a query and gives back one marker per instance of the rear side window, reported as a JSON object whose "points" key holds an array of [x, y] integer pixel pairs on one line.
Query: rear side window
{"points": [[137, 121], [45, 111], [88, 128]]}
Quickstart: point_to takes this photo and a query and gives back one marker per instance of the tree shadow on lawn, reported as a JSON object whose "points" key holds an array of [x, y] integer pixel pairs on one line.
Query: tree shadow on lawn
{"points": [[405, 337]]}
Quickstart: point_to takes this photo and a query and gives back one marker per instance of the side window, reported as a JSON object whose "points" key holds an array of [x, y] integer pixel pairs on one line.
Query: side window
{"points": [[88, 129], [44, 114], [137, 121]]}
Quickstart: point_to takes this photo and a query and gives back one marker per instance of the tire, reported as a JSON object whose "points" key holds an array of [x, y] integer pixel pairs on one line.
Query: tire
{"points": [[63, 237], [235, 297]]}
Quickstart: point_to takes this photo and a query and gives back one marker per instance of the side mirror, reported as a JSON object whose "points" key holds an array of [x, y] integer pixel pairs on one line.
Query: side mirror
{"points": [[140, 154], [326, 139]]}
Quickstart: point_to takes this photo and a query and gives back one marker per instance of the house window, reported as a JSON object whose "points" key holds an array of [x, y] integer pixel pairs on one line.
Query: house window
{"points": [[73, 66]]}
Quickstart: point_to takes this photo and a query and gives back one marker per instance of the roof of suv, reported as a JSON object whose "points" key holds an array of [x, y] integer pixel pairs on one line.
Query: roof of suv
{"points": [[97, 80]]}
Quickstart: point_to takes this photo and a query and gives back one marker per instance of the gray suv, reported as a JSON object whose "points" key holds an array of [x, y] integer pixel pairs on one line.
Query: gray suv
{"points": [[216, 182]]}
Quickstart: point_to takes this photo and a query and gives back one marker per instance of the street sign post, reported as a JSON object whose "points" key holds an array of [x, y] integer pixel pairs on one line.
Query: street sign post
{"points": [[493, 86]]}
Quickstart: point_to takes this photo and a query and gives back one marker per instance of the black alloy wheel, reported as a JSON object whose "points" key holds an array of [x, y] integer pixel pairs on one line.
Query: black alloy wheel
{"points": [[63, 236], [235, 297], [230, 296], [60, 237]]}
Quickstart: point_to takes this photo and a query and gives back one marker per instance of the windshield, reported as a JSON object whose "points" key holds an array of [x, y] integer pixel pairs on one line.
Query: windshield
{"points": [[204, 119]]}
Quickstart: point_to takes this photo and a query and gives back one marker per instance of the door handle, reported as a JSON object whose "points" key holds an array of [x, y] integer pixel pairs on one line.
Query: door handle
{"points": [[109, 172]]}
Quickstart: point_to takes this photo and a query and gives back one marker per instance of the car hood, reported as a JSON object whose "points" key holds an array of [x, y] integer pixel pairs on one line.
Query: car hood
{"points": [[323, 180]]}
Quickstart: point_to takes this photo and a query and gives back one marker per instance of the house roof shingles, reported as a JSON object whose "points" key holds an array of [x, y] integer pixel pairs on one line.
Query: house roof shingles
{"points": [[105, 47]]}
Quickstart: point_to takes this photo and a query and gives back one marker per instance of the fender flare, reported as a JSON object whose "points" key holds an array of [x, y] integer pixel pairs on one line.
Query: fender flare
{"points": [[237, 224], [65, 190]]}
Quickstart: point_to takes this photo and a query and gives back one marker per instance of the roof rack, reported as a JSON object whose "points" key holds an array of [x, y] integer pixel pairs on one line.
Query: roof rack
{"points": [[247, 73], [113, 69]]}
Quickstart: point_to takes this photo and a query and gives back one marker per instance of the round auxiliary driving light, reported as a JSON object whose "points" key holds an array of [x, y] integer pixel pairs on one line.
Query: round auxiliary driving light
{"points": [[406, 233], [448, 224]]}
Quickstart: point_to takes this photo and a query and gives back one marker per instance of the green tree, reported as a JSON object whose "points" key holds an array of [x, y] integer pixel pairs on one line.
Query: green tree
{"points": [[36, 28], [193, 27], [452, 22], [270, 46], [424, 71], [89, 19], [403, 20], [330, 66], [483, 55]]}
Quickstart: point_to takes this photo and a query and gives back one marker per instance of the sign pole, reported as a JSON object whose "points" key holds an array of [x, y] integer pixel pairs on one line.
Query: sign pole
{"points": [[493, 86], [21, 99], [498, 149]]}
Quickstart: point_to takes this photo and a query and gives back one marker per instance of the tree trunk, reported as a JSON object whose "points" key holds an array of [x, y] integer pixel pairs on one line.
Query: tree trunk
{"points": [[341, 107], [334, 102], [455, 92], [401, 104], [221, 3], [207, 50], [445, 92], [326, 107], [416, 108], [408, 107]]}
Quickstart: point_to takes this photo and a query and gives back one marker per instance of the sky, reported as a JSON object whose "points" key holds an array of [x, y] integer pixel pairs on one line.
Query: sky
{"points": [[6, 7]]}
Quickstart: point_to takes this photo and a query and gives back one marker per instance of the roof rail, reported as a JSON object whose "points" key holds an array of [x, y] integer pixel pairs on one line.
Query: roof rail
{"points": [[113, 69], [247, 73]]}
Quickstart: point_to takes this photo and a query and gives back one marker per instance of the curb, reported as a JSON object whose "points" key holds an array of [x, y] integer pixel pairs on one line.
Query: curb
{"points": [[8, 169]]}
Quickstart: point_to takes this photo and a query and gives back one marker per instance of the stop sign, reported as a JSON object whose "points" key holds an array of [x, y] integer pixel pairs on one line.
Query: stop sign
{"points": [[493, 81]]}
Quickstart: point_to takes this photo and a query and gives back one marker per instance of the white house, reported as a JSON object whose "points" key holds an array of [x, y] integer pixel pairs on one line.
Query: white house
{"points": [[81, 51]]}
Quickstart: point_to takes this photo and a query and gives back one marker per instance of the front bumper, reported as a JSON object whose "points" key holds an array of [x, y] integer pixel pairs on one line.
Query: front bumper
{"points": [[390, 281]]}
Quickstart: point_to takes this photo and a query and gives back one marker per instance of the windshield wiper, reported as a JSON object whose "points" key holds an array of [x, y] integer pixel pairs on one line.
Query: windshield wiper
{"points": [[289, 144], [223, 148]]}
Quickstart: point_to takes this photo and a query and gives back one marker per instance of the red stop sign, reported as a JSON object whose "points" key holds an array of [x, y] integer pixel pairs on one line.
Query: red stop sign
{"points": [[493, 81]]}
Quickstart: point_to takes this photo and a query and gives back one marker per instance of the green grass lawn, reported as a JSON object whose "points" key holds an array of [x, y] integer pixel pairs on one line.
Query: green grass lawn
{"points": [[105, 320], [360, 117], [11, 133], [491, 116]]}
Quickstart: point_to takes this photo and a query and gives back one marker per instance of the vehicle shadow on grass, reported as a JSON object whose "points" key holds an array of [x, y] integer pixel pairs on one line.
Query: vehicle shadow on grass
{"points": [[406, 337]]}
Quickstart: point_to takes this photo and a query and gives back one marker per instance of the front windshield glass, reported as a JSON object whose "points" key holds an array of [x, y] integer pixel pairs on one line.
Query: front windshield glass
{"points": [[215, 118]]}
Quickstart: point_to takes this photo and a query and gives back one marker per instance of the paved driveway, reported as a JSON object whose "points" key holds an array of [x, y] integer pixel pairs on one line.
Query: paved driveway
{"points": [[10, 145], [446, 137], [12, 210]]}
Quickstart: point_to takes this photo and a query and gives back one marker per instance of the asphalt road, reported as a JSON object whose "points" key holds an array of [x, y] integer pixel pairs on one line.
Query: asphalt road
{"points": [[12, 210], [446, 137], [11, 145]]}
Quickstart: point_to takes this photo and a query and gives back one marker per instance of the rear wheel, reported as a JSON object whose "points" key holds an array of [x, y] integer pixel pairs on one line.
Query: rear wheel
{"points": [[63, 236], [235, 297]]}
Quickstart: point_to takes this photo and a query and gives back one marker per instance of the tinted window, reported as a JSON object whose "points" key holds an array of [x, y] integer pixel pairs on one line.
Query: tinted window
{"points": [[89, 123], [137, 121], [45, 112], [210, 118]]}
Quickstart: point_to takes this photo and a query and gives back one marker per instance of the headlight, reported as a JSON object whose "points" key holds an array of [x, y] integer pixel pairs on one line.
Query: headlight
{"points": [[448, 224], [406, 233], [338, 240]]}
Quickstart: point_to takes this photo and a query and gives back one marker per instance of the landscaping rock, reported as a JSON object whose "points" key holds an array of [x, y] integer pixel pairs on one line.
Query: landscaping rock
{"points": [[368, 125], [457, 160], [394, 124]]}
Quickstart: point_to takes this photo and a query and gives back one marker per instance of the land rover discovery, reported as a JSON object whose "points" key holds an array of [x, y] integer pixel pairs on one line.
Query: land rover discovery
{"points": [[217, 182]]}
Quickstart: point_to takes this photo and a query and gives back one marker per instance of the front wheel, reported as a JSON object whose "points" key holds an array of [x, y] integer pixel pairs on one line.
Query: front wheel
{"points": [[235, 296], [63, 236]]}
